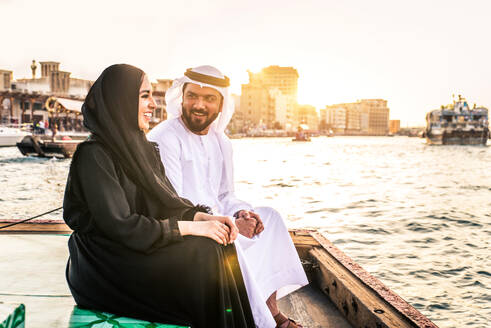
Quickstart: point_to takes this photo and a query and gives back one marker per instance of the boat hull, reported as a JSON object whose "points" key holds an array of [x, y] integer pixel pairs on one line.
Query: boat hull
{"points": [[458, 138], [34, 146]]}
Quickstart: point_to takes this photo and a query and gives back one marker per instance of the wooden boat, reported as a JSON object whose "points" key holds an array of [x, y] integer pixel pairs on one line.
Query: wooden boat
{"points": [[35, 146], [340, 293]]}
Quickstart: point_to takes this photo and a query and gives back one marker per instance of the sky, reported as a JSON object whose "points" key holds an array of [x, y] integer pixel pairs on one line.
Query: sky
{"points": [[415, 54]]}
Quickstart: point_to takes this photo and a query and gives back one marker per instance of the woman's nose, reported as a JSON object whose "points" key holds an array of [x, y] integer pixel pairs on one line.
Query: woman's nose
{"points": [[152, 104]]}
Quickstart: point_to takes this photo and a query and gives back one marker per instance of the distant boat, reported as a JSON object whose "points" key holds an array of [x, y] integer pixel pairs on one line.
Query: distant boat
{"points": [[304, 138], [9, 136], [457, 124]]}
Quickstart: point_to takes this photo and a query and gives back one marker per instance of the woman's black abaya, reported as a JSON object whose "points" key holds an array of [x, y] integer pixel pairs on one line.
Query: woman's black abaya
{"points": [[126, 253]]}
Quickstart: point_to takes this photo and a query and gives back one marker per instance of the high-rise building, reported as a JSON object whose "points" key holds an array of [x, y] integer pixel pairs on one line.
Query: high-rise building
{"points": [[270, 97], [283, 78]]}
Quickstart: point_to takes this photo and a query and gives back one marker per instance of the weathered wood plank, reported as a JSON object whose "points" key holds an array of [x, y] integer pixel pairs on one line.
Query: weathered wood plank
{"points": [[312, 309], [362, 297], [37, 227], [361, 306]]}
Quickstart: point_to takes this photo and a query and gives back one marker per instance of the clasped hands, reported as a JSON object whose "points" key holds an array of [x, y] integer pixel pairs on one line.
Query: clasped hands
{"points": [[248, 223], [223, 229]]}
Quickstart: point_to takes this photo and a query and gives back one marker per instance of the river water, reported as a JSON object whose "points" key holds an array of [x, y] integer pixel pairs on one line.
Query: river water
{"points": [[417, 217]]}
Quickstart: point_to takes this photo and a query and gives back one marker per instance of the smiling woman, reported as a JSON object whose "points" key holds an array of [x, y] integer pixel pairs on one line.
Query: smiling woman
{"points": [[146, 104]]}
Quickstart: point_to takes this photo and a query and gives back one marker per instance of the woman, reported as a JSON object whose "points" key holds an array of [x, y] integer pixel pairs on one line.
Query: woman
{"points": [[138, 249]]}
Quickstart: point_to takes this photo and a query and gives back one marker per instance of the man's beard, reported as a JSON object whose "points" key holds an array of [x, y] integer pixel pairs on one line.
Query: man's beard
{"points": [[194, 125]]}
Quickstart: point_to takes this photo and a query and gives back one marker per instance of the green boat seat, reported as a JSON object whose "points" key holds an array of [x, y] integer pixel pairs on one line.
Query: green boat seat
{"points": [[12, 315], [82, 318]]}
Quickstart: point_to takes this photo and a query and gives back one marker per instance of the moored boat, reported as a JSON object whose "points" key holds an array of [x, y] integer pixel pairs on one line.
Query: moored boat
{"points": [[457, 124], [35, 146], [340, 293], [9, 136]]}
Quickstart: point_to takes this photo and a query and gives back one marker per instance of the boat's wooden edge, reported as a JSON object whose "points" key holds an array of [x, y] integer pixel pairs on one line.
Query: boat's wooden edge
{"points": [[35, 227], [362, 298]]}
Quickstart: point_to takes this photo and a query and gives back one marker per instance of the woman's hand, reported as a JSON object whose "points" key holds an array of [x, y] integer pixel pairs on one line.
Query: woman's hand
{"points": [[227, 220]]}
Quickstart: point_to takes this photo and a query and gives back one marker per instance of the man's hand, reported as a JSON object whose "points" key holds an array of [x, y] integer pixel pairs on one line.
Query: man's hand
{"points": [[249, 223]]}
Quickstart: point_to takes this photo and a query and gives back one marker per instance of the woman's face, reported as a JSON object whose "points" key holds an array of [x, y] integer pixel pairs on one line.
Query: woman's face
{"points": [[146, 104]]}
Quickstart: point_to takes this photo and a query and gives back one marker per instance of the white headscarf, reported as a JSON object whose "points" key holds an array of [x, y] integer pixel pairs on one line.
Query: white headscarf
{"points": [[173, 96]]}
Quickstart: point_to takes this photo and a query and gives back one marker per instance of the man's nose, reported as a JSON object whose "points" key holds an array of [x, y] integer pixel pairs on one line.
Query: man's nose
{"points": [[199, 103]]}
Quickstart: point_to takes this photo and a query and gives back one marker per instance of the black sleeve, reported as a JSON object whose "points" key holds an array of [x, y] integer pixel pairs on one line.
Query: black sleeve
{"points": [[108, 206]]}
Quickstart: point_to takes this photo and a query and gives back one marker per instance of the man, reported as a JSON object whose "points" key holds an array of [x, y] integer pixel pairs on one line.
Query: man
{"points": [[197, 157]]}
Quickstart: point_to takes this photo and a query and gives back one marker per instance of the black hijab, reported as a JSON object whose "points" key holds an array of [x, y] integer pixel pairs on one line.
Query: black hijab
{"points": [[110, 113]]}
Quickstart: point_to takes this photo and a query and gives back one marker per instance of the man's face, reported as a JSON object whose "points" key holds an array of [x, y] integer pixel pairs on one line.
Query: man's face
{"points": [[200, 107]]}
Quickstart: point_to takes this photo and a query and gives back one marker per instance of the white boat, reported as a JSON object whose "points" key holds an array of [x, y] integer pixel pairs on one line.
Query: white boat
{"points": [[11, 136]]}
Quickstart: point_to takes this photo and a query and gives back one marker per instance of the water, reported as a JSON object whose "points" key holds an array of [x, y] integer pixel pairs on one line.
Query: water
{"points": [[418, 217]]}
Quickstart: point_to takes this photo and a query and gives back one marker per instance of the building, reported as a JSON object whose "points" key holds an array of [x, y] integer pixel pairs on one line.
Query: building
{"points": [[29, 100], [270, 98], [283, 78], [378, 116], [364, 117], [307, 115], [159, 89], [254, 104], [5, 79], [394, 126], [336, 118], [237, 123]]}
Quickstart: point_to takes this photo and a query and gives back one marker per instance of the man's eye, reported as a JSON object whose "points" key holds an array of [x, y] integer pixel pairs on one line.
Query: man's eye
{"points": [[190, 96], [211, 98], [145, 95]]}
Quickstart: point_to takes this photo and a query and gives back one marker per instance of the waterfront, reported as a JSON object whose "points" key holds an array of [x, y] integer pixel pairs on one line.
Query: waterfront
{"points": [[415, 216]]}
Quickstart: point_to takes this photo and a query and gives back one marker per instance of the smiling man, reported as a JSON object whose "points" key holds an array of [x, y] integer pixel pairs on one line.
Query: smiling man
{"points": [[197, 156]]}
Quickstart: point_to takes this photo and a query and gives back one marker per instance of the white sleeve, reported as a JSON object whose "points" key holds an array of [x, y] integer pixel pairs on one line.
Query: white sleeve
{"points": [[170, 155], [228, 201]]}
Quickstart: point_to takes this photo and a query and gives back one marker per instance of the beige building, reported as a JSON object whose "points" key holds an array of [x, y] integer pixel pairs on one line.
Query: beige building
{"points": [[25, 100], [335, 118], [5, 79], [53, 81], [255, 104], [394, 126], [270, 98], [283, 78], [378, 116], [307, 114], [159, 90], [364, 117]]}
